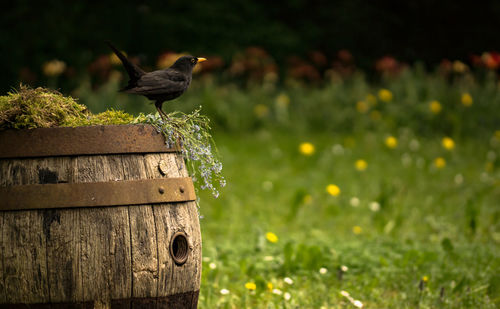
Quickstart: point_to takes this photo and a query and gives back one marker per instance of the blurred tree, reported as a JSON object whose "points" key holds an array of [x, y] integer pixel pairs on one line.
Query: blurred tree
{"points": [[33, 32]]}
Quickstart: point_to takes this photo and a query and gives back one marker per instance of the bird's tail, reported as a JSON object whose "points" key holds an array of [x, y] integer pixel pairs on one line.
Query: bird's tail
{"points": [[134, 72]]}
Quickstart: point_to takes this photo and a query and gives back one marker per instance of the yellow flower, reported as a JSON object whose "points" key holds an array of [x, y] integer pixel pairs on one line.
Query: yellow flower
{"points": [[371, 99], [435, 107], [261, 110], [307, 199], [467, 99], [250, 286], [307, 149], [271, 237], [375, 115], [282, 100], [385, 95], [113, 58], [425, 279], [362, 107], [357, 229], [459, 67], [391, 142], [361, 165], [448, 143], [333, 190], [439, 162], [270, 286], [54, 68]]}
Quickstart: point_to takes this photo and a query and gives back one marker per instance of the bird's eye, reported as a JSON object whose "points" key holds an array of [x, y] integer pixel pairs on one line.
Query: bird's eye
{"points": [[193, 60]]}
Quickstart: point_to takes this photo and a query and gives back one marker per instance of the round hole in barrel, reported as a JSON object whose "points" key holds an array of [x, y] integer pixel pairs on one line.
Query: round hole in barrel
{"points": [[179, 248]]}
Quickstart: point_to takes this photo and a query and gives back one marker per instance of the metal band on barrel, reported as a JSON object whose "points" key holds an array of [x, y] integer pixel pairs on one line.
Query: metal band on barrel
{"points": [[97, 194], [92, 140]]}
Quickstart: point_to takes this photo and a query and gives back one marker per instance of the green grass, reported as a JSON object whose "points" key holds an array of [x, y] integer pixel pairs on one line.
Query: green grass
{"points": [[431, 223], [426, 237]]}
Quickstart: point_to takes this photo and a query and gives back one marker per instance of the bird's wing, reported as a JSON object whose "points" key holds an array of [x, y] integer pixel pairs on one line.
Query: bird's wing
{"points": [[160, 82]]}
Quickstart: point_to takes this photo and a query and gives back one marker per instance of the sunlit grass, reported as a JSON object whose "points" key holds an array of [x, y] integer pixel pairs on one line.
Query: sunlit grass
{"points": [[411, 220]]}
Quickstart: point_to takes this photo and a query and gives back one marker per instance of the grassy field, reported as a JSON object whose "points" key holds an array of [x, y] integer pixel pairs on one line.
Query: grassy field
{"points": [[352, 194], [402, 233]]}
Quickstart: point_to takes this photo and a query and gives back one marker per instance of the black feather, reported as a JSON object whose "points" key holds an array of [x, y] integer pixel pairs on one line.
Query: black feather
{"points": [[134, 72]]}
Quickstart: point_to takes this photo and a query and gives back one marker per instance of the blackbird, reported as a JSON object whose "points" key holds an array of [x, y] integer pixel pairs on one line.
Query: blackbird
{"points": [[162, 85]]}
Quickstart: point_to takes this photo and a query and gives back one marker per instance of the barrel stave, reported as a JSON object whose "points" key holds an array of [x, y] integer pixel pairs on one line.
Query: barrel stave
{"points": [[171, 218], [106, 255]]}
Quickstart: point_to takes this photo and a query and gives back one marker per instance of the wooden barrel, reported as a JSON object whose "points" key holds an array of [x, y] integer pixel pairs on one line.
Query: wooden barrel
{"points": [[96, 217]]}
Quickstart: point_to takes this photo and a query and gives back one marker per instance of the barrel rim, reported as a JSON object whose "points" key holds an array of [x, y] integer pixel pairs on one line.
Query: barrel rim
{"points": [[87, 140]]}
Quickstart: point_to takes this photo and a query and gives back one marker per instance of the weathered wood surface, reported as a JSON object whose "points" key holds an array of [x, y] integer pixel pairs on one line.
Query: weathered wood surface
{"points": [[102, 257]]}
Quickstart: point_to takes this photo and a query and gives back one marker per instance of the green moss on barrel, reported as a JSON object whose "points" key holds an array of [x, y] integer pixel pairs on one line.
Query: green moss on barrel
{"points": [[29, 108]]}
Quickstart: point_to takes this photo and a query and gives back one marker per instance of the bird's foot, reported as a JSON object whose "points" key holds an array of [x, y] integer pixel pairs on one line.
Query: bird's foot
{"points": [[165, 117]]}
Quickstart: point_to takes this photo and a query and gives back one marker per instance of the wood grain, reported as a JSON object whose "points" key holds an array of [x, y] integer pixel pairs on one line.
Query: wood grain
{"points": [[142, 237], [62, 232], [105, 256], [24, 252], [105, 236]]}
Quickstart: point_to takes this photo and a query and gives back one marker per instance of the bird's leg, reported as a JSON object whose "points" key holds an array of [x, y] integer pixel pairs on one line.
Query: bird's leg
{"points": [[163, 116], [160, 112]]}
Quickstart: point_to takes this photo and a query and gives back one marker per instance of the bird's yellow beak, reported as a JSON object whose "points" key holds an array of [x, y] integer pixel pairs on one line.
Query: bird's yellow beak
{"points": [[201, 59]]}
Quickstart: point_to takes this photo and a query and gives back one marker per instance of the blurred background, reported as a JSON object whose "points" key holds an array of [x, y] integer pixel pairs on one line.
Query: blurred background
{"points": [[290, 32], [360, 139]]}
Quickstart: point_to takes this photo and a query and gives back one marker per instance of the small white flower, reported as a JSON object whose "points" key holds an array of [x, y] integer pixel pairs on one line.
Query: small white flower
{"points": [[288, 280], [374, 206], [224, 291], [287, 296], [354, 201], [206, 259], [212, 266], [323, 270], [414, 145], [459, 179], [277, 292], [356, 303], [484, 177], [344, 293], [337, 149], [406, 159], [344, 268]]}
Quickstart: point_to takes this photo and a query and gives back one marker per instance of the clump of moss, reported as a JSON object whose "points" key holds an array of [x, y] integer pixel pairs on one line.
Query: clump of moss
{"points": [[41, 108], [30, 108], [108, 117]]}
